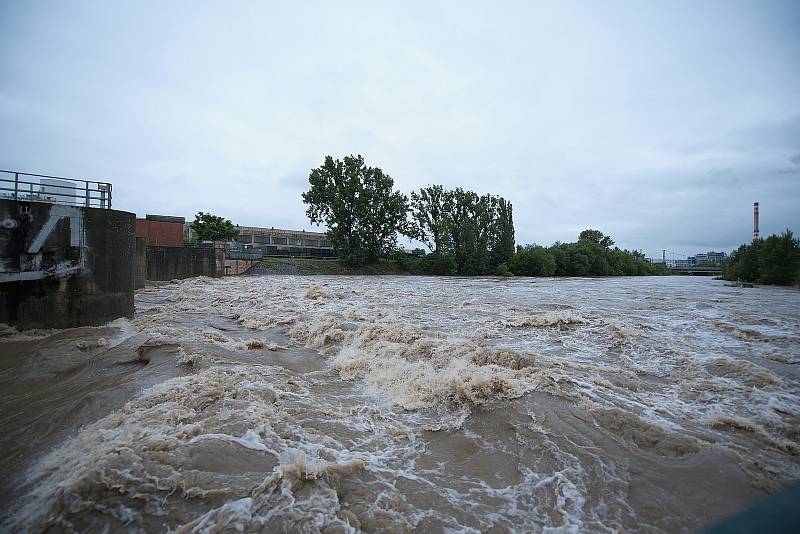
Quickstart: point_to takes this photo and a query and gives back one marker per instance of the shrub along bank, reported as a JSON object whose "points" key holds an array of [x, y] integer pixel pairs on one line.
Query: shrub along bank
{"points": [[591, 255], [773, 261]]}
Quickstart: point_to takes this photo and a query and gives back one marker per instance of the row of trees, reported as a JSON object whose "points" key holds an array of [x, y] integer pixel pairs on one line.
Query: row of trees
{"points": [[466, 233], [591, 255], [774, 260]]}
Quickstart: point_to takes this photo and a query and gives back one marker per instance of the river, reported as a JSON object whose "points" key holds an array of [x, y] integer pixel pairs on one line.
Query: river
{"points": [[339, 404]]}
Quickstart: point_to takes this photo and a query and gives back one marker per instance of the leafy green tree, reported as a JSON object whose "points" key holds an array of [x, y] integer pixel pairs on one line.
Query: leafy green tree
{"points": [[578, 263], [743, 264], [476, 232], [589, 256], [359, 207], [440, 264], [774, 260], [462, 229], [208, 227], [779, 259], [429, 216], [502, 235], [596, 236], [533, 260], [560, 260]]}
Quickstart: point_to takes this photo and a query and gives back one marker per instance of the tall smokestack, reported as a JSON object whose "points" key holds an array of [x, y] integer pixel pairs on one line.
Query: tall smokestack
{"points": [[755, 221]]}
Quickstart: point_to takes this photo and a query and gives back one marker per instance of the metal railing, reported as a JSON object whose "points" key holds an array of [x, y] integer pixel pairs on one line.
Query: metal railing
{"points": [[235, 251], [29, 187], [256, 254]]}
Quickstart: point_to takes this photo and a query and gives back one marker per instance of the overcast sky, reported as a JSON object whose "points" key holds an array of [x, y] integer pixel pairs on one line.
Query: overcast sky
{"points": [[659, 123]]}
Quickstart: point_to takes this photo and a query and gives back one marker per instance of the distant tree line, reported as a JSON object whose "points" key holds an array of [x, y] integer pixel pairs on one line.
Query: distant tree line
{"points": [[466, 233], [591, 255], [774, 260]]}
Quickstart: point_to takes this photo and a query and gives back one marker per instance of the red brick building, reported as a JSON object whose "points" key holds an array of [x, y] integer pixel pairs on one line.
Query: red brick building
{"points": [[161, 230]]}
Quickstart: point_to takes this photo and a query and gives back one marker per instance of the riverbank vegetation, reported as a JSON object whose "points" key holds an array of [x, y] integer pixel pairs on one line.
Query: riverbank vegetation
{"points": [[772, 261], [467, 233], [591, 255], [312, 266]]}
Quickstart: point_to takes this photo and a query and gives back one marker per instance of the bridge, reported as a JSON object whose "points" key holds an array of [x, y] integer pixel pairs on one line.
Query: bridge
{"points": [[703, 271], [708, 264]]}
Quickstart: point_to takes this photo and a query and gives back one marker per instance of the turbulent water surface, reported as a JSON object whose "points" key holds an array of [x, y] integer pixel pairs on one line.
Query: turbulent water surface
{"points": [[340, 404]]}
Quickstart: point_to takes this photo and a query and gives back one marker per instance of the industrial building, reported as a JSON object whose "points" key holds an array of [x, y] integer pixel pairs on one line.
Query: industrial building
{"points": [[161, 230], [709, 258], [714, 258], [278, 242]]}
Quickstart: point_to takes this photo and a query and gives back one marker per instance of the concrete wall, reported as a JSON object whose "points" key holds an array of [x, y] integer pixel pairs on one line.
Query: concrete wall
{"points": [[140, 267], [170, 263], [234, 267], [63, 266]]}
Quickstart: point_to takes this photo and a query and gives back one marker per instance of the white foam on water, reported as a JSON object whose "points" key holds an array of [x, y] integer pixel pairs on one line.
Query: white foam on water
{"points": [[249, 440], [652, 371]]}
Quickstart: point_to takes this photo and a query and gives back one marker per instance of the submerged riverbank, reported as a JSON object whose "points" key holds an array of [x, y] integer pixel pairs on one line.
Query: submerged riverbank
{"points": [[406, 403], [309, 266]]}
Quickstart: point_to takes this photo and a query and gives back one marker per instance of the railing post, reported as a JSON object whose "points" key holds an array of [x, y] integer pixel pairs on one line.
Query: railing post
{"points": [[87, 194], [16, 186]]}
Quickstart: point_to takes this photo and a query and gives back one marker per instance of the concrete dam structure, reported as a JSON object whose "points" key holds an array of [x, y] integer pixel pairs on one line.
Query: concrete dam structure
{"points": [[64, 265]]}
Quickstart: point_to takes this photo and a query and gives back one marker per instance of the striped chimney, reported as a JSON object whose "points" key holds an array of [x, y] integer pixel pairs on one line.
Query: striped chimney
{"points": [[755, 221]]}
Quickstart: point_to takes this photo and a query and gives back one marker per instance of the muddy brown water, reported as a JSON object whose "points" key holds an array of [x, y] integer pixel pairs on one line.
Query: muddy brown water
{"points": [[342, 404]]}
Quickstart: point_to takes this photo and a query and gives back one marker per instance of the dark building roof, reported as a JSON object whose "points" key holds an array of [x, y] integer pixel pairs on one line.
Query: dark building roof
{"points": [[165, 218]]}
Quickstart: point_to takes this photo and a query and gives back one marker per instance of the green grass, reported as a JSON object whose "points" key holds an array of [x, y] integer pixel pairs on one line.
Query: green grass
{"points": [[312, 266]]}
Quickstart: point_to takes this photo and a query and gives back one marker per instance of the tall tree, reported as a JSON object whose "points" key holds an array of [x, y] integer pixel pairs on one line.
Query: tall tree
{"points": [[502, 246], [210, 227], [596, 236], [462, 229], [429, 217], [475, 232], [359, 207]]}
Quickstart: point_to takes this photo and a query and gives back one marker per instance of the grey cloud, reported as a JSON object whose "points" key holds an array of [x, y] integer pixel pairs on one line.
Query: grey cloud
{"points": [[295, 181], [191, 106], [720, 172]]}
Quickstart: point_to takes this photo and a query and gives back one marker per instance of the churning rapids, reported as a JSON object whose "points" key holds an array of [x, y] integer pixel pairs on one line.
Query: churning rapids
{"points": [[339, 404]]}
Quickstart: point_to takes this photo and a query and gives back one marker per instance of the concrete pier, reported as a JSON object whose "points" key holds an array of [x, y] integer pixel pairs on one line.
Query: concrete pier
{"points": [[63, 266]]}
